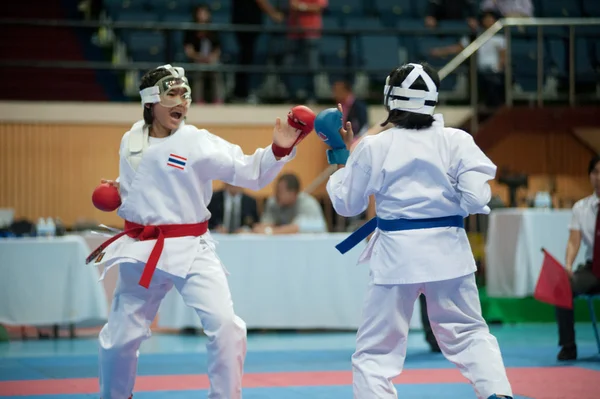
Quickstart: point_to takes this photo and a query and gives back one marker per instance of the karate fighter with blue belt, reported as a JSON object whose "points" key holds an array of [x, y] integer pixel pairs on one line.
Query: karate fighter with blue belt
{"points": [[426, 178]]}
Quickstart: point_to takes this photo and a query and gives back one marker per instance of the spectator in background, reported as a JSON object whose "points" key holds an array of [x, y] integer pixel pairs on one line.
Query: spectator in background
{"points": [[451, 10], [509, 8], [232, 211], [204, 47], [304, 46], [291, 211], [249, 12], [585, 279], [490, 62], [355, 111]]}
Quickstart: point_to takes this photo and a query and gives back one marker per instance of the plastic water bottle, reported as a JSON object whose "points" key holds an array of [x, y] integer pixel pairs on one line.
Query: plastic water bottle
{"points": [[41, 227], [51, 232], [543, 200]]}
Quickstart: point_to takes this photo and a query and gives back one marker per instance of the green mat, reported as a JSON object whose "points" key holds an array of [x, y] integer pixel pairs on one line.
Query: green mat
{"points": [[527, 310]]}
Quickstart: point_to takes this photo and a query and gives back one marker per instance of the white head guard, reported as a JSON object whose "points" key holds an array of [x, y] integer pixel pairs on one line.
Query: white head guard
{"points": [[413, 100], [162, 92]]}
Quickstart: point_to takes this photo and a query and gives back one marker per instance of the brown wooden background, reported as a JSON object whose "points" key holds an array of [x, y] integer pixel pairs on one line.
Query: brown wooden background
{"points": [[50, 170]]}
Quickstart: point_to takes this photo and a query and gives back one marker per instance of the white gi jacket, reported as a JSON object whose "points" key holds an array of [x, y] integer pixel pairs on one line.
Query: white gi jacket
{"points": [[416, 174], [158, 193]]}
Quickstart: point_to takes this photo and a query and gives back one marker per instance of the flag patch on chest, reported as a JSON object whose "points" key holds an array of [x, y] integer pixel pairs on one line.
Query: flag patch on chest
{"points": [[177, 161]]}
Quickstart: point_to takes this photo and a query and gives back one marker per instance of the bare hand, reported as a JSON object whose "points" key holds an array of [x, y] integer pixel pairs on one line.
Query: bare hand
{"points": [[111, 183], [569, 271], [346, 131], [285, 135]]}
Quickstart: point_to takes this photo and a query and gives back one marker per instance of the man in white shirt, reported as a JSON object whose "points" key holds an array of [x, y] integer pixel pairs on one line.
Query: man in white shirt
{"points": [[291, 211], [584, 227]]}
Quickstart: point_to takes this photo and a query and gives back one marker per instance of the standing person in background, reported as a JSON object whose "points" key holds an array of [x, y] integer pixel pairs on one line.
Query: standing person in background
{"points": [[249, 12]]}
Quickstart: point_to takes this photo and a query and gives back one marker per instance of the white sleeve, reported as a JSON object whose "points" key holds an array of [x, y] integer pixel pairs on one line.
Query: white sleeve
{"points": [[471, 170], [349, 187], [228, 163], [310, 217], [575, 223]]}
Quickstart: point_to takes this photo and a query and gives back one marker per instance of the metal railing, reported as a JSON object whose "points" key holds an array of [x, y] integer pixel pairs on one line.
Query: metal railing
{"points": [[467, 53], [169, 27]]}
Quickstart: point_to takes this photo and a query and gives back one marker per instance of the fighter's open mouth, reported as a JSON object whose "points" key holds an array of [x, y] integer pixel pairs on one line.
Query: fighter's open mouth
{"points": [[176, 115]]}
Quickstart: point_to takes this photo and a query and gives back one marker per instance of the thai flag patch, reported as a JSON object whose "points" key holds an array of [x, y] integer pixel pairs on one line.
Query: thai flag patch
{"points": [[177, 161]]}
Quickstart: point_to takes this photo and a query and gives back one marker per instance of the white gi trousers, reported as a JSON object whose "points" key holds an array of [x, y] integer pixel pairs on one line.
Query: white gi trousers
{"points": [[462, 333], [134, 307]]}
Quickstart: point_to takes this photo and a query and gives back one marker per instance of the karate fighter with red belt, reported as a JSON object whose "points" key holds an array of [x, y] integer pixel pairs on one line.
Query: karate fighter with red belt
{"points": [[165, 184]]}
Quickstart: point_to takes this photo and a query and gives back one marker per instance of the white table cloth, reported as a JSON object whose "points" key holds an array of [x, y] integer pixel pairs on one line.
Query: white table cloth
{"points": [[286, 282], [45, 281], [514, 248]]}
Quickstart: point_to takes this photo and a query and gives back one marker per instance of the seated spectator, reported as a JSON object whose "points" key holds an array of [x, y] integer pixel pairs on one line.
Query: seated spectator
{"points": [[490, 62], [355, 109], [232, 211], [509, 8], [204, 47], [291, 211], [451, 10]]}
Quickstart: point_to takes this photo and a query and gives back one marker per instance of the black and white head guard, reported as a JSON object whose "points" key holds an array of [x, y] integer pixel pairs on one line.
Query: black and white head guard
{"points": [[403, 98]]}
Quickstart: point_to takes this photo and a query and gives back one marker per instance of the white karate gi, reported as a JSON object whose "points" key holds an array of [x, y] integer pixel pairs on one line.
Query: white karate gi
{"points": [[420, 174], [159, 194]]}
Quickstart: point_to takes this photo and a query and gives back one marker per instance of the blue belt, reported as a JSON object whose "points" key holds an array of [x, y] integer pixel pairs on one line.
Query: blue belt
{"points": [[396, 225]]}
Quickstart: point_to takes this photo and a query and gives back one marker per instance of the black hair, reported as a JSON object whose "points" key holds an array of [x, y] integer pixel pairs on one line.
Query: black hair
{"points": [[291, 182], [406, 119], [593, 162], [149, 80]]}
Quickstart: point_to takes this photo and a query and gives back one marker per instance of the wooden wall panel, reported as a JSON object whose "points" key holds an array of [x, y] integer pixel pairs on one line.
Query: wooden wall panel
{"points": [[50, 170], [551, 153]]}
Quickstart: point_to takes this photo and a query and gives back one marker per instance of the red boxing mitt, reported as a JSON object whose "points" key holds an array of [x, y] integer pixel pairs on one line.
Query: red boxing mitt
{"points": [[301, 118], [106, 197]]}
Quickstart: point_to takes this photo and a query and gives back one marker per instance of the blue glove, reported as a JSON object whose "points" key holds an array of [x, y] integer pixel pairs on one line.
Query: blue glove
{"points": [[327, 126]]}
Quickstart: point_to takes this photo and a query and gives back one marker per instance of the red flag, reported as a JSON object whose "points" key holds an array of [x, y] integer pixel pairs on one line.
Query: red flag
{"points": [[553, 285]]}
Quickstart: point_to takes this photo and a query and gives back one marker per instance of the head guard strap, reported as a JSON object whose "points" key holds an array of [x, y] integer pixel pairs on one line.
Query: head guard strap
{"points": [[414, 100]]}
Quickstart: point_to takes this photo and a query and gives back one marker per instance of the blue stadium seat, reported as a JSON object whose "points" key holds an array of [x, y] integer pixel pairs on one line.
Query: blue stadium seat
{"points": [[374, 58], [167, 6], [229, 48], [177, 36], [353, 22], [420, 8], [391, 11], [216, 6], [134, 16], [524, 63], [584, 69], [591, 8], [117, 6], [557, 57], [414, 25], [345, 7], [146, 47], [559, 8]]}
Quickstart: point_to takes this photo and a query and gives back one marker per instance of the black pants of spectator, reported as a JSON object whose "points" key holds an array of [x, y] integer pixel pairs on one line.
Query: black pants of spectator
{"points": [[246, 44], [429, 336], [491, 88], [582, 282]]}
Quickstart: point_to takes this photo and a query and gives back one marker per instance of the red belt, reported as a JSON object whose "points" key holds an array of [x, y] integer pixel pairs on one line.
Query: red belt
{"points": [[158, 233]]}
